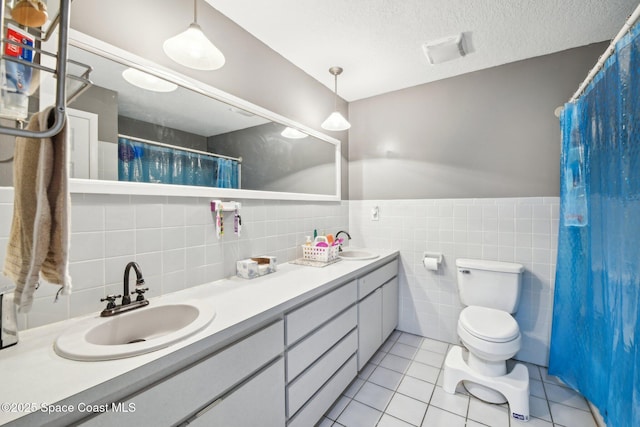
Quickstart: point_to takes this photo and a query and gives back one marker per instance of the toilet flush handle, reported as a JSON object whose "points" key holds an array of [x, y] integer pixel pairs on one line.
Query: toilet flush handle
{"points": [[465, 271]]}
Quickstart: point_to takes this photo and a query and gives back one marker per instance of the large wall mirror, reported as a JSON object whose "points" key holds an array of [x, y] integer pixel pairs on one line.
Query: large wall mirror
{"points": [[144, 129]]}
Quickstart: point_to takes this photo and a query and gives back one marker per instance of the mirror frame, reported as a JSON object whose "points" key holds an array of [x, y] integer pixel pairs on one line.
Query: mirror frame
{"points": [[99, 47]]}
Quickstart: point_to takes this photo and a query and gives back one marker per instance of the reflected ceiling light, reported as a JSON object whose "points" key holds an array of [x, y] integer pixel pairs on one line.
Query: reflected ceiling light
{"points": [[293, 133], [335, 121], [147, 81], [193, 49], [241, 112]]}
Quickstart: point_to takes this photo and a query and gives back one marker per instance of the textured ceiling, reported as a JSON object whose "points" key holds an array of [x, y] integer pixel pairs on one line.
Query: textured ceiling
{"points": [[378, 42]]}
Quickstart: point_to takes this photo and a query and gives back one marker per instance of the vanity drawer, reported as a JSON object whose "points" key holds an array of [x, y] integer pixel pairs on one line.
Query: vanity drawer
{"points": [[311, 348], [259, 402], [308, 317], [311, 413], [303, 387], [188, 391], [377, 278]]}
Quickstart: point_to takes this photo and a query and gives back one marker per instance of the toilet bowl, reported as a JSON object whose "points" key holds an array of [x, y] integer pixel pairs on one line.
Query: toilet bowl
{"points": [[491, 336]]}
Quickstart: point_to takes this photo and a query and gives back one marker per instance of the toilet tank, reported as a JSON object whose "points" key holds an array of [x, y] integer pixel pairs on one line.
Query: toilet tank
{"points": [[493, 284]]}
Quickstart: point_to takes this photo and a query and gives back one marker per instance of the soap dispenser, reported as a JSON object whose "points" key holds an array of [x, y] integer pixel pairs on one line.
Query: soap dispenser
{"points": [[8, 319]]}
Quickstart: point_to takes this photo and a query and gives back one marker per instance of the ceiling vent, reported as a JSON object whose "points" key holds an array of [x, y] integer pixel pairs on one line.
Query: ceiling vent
{"points": [[443, 50]]}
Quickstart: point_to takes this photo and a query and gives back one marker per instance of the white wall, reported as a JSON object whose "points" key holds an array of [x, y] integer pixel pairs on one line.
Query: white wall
{"points": [[172, 238], [522, 230]]}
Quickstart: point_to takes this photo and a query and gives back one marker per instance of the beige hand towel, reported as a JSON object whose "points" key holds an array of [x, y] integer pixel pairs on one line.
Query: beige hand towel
{"points": [[38, 246]]}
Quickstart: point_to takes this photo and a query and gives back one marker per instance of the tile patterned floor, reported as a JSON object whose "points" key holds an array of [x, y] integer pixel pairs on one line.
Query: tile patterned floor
{"points": [[402, 387]]}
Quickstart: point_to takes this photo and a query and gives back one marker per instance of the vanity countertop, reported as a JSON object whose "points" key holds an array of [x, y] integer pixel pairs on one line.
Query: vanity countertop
{"points": [[33, 375]]}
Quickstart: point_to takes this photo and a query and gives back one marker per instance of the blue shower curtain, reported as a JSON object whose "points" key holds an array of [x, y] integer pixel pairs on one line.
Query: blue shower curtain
{"points": [[142, 162], [227, 176], [596, 313]]}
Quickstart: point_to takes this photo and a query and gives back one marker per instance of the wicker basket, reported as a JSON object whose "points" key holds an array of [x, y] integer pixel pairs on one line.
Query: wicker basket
{"points": [[315, 253]]}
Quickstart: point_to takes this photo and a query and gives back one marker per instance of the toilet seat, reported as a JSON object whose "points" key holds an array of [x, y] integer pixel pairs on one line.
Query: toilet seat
{"points": [[489, 324]]}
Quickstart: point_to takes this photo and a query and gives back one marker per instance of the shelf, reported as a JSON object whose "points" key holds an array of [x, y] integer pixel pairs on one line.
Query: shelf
{"points": [[76, 74]]}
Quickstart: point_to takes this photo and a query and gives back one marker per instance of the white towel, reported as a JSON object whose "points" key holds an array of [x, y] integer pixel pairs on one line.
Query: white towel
{"points": [[38, 246]]}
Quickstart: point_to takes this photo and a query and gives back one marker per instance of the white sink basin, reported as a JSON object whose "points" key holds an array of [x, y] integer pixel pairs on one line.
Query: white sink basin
{"points": [[357, 254], [137, 332]]}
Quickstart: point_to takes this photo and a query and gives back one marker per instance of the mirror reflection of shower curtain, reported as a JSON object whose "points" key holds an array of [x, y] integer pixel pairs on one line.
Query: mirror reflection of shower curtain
{"points": [[177, 167], [142, 162], [225, 173], [130, 166], [596, 315], [159, 164]]}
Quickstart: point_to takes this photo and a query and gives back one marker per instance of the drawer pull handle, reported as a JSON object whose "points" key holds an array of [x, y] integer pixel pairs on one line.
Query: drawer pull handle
{"points": [[209, 407]]}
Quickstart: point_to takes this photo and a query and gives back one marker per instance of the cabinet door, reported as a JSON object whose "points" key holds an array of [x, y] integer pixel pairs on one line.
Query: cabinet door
{"points": [[389, 308], [369, 327], [258, 402]]}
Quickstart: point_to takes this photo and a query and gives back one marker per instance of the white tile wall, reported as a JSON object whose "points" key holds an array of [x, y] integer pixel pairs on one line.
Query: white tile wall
{"points": [[172, 238], [520, 230]]}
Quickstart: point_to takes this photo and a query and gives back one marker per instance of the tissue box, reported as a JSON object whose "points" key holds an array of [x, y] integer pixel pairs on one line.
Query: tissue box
{"points": [[256, 266], [266, 264], [247, 268]]}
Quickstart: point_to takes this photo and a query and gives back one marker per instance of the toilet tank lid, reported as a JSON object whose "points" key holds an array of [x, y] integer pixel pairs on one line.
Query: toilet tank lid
{"points": [[482, 264]]}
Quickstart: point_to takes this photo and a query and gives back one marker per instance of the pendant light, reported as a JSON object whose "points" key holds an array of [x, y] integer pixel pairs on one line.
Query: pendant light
{"points": [[193, 49], [335, 121], [147, 81], [292, 133]]}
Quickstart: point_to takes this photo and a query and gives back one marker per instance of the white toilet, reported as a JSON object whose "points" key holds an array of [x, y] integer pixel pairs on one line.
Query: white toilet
{"points": [[490, 290]]}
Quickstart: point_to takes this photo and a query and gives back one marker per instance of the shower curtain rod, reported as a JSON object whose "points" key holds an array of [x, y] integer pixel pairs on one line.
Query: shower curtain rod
{"points": [[190, 150], [607, 53]]}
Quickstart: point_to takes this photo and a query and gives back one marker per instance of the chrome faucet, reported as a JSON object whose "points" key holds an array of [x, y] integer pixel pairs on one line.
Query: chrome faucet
{"points": [[341, 232], [126, 299], [113, 309]]}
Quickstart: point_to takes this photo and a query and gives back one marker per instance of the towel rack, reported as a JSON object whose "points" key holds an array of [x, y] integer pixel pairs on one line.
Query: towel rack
{"points": [[62, 21]]}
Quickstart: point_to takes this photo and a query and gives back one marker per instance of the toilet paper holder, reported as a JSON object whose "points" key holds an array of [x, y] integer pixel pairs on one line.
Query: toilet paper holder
{"points": [[432, 260], [437, 255]]}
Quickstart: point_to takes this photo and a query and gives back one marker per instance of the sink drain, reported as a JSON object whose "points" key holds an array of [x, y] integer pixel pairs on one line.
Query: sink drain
{"points": [[136, 340]]}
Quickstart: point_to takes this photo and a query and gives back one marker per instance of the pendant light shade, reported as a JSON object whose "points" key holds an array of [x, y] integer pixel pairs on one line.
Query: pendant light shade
{"points": [[335, 121], [292, 133], [147, 81], [193, 49]]}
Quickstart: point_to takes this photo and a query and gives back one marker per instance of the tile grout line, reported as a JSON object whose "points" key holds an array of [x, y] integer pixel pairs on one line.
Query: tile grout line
{"points": [[546, 396]]}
